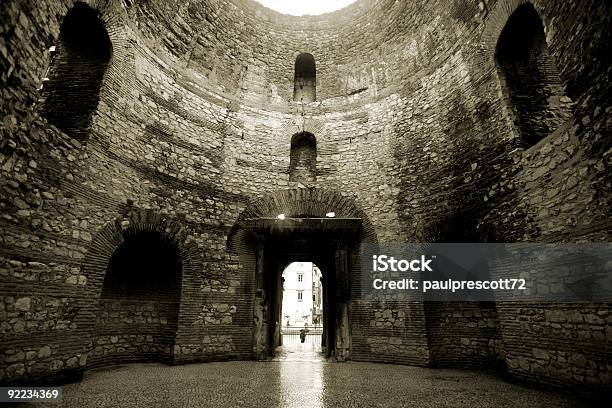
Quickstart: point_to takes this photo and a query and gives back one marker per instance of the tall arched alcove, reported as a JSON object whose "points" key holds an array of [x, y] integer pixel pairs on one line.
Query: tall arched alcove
{"points": [[530, 80], [305, 80], [137, 318], [72, 92], [303, 158]]}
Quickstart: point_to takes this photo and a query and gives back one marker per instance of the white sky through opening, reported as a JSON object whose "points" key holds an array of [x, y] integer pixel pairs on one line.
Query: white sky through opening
{"points": [[303, 7]]}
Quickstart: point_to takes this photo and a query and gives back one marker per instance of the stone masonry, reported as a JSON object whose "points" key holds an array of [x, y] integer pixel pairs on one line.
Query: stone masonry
{"points": [[184, 131]]}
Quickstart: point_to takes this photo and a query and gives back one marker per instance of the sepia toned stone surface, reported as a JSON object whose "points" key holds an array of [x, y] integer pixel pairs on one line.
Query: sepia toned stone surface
{"points": [[301, 383], [187, 132]]}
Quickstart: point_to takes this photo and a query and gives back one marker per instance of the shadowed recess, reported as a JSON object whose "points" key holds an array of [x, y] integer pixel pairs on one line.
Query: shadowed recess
{"points": [[138, 314], [303, 160], [530, 80], [77, 70], [305, 85]]}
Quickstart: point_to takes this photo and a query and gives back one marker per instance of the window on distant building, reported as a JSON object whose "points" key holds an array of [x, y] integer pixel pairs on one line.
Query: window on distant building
{"points": [[300, 277], [300, 296]]}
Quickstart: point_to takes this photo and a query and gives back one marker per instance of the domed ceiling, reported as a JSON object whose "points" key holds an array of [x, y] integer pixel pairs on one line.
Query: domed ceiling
{"points": [[301, 8]]}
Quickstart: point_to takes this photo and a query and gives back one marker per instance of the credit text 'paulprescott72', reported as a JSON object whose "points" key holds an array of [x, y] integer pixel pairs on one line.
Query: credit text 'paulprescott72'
{"points": [[385, 263]]}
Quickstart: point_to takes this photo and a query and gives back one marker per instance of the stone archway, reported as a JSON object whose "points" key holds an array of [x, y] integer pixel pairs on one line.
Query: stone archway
{"points": [[264, 242], [152, 345]]}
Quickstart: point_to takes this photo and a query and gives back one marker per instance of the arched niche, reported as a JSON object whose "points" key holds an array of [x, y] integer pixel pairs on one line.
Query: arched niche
{"points": [[72, 91], [137, 318], [305, 80], [303, 158], [530, 80]]}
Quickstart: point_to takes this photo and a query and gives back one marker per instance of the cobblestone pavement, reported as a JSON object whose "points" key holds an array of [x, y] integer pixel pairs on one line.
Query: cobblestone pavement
{"points": [[301, 380]]}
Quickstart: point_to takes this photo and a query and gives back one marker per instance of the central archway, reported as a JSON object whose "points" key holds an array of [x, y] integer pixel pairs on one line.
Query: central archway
{"points": [[302, 225], [282, 248]]}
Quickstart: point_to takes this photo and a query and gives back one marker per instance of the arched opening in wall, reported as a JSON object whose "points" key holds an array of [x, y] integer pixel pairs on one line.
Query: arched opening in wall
{"points": [[302, 248], [302, 309], [530, 80], [138, 312], [72, 92], [302, 225], [305, 80], [303, 158]]}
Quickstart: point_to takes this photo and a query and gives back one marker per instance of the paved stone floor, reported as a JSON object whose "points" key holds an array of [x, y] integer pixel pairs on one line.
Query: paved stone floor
{"points": [[300, 378]]}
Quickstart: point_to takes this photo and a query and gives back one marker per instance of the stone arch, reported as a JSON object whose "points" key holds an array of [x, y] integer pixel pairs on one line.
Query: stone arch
{"points": [[345, 278], [305, 79], [99, 255], [78, 66], [311, 202], [496, 21]]}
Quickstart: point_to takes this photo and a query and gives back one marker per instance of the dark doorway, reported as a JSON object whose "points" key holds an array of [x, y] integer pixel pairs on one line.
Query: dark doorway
{"points": [[284, 249]]}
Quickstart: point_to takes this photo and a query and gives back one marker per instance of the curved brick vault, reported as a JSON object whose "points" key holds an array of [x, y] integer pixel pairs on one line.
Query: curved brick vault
{"points": [[194, 119]]}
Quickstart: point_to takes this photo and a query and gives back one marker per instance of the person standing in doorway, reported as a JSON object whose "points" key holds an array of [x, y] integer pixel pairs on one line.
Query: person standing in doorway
{"points": [[303, 333]]}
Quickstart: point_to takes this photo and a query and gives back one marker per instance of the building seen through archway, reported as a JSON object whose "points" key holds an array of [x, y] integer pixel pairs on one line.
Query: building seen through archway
{"points": [[302, 308]]}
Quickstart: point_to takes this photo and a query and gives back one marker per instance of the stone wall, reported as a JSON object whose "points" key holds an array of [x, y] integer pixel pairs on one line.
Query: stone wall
{"points": [[557, 360], [195, 120], [464, 335]]}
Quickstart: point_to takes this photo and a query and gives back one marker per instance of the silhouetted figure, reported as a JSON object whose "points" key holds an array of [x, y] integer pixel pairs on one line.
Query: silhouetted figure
{"points": [[303, 333]]}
